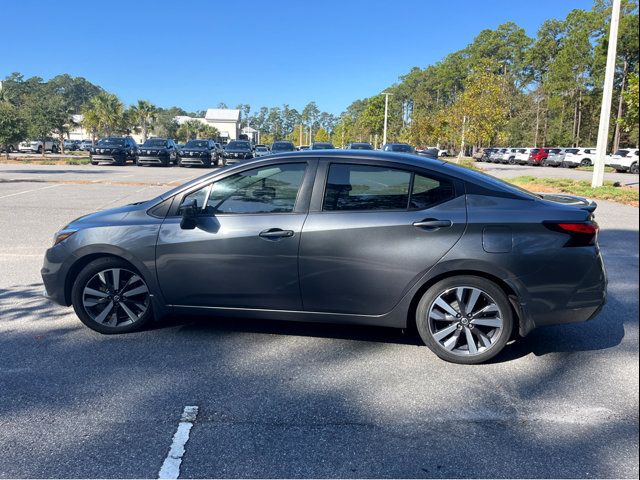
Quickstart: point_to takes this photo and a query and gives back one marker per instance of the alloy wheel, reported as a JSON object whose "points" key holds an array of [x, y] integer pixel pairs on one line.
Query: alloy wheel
{"points": [[115, 297], [465, 321]]}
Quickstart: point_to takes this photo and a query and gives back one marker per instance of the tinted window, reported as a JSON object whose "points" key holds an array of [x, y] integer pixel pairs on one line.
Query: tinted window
{"points": [[362, 187], [239, 145], [271, 189], [155, 142], [283, 146], [428, 192], [571, 150], [111, 142], [622, 153], [197, 144]]}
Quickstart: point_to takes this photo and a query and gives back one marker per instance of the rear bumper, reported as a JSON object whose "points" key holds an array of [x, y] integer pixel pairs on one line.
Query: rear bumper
{"points": [[561, 294]]}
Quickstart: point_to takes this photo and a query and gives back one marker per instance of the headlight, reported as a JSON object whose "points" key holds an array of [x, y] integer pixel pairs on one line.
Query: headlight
{"points": [[62, 235], [181, 152]]}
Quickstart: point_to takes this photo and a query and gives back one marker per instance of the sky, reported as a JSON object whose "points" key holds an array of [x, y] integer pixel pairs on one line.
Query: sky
{"points": [[197, 53]]}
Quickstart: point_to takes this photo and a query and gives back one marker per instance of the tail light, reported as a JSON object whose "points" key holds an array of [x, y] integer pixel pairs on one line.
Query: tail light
{"points": [[581, 234]]}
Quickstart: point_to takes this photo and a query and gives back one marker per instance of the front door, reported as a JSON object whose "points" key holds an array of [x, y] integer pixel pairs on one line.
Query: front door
{"points": [[243, 252]]}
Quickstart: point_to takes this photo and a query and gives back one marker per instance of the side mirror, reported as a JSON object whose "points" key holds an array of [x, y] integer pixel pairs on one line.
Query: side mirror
{"points": [[189, 212]]}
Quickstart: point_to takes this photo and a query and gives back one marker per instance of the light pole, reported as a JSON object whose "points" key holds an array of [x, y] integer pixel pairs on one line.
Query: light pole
{"points": [[464, 121], [607, 93], [386, 113]]}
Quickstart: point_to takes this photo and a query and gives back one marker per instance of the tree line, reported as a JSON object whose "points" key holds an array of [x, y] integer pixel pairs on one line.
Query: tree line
{"points": [[506, 88]]}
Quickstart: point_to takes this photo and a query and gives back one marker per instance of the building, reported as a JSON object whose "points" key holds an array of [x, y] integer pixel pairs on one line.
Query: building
{"points": [[225, 120], [78, 132]]}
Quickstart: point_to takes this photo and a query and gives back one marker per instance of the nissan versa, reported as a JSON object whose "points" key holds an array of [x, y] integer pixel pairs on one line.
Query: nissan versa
{"points": [[362, 237]]}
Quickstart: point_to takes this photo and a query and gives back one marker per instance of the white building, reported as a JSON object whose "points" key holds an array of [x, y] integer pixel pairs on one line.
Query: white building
{"points": [[78, 132], [225, 120]]}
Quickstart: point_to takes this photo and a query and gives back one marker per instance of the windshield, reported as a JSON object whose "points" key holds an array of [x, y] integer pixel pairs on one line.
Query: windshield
{"points": [[197, 144], [283, 146], [155, 142], [399, 147], [361, 146], [322, 145], [238, 145], [111, 142], [262, 149]]}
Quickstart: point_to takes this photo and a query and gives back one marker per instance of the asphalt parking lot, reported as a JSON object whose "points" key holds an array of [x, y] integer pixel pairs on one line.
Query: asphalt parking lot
{"points": [[295, 400]]}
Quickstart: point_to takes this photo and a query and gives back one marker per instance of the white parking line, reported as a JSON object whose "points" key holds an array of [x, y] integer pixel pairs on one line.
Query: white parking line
{"points": [[32, 190], [171, 466]]}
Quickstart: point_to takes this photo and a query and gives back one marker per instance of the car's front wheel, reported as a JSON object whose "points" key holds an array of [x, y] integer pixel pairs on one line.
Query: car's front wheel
{"points": [[465, 319], [110, 296], [634, 169]]}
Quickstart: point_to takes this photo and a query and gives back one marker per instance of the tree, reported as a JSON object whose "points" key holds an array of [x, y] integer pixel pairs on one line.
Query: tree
{"points": [[189, 130], [144, 113], [321, 135], [13, 127], [46, 116], [629, 120], [108, 111], [208, 131]]}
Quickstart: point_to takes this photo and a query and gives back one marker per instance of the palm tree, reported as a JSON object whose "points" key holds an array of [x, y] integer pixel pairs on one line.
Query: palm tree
{"points": [[145, 114], [103, 114]]}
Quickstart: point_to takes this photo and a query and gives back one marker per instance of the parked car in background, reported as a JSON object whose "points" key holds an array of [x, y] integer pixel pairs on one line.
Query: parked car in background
{"points": [[522, 156], [624, 160], [114, 150], [237, 150], [85, 145], [321, 146], [398, 147], [359, 146], [496, 155], [36, 146], [537, 156], [443, 152], [282, 146], [509, 156], [71, 145], [10, 147], [579, 157], [555, 158], [261, 151], [303, 147], [162, 152], [351, 237], [199, 153], [429, 152], [482, 154]]}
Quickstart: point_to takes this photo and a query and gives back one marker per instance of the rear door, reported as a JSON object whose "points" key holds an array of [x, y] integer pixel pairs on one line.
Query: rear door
{"points": [[372, 231]]}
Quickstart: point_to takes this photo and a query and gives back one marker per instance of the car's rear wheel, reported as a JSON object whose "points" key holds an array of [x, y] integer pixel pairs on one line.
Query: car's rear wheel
{"points": [[634, 169], [465, 319], [110, 296]]}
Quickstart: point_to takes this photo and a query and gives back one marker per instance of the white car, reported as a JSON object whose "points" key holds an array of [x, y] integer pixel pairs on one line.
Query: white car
{"points": [[624, 160], [509, 156], [35, 146], [579, 157], [522, 156]]}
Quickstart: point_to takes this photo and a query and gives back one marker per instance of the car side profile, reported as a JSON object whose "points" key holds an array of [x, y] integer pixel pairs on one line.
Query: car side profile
{"points": [[339, 236]]}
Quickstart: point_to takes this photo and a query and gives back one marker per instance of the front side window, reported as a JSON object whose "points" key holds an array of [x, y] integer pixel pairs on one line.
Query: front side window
{"points": [[270, 189], [365, 187]]}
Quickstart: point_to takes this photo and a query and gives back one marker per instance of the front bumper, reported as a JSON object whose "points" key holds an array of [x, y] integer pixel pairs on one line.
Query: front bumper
{"points": [[107, 159], [205, 161], [153, 160]]}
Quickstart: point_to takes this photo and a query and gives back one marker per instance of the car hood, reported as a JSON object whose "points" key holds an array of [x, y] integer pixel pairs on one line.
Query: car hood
{"points": [[110, 216]]}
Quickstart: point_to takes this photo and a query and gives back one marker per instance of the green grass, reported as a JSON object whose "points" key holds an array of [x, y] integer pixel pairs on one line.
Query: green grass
{"points": [[590, 169], [76, 161], [581, 188]]}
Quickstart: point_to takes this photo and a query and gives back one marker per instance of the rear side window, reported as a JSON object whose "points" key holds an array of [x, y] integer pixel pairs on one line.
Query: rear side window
{"points": [[364, 187]]}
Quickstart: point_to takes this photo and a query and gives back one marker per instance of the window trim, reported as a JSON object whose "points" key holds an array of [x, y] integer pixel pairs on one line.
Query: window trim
{"points": [[322, 176]]}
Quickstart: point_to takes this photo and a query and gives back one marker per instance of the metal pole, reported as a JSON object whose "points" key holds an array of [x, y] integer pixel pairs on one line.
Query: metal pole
{"points": [[607, 94], [386, 110], [464, 121]]}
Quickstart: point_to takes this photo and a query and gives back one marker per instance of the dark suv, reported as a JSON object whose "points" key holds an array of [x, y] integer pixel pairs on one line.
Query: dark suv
{"points": [[398, 147], [237, 150], [158, 151], [203, 153], [322, 146], [281, 147], [114, 150]]}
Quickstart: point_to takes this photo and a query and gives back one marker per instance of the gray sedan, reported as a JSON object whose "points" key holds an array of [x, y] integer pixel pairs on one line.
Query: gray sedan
{"points": [[353, 237]]}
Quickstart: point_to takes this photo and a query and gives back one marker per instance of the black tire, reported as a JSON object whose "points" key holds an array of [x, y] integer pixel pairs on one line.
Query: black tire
{"points": [[94, 163], [634, 169], [493, 291], [512, 160], [586, 163], [39, 149], [86, 275]]}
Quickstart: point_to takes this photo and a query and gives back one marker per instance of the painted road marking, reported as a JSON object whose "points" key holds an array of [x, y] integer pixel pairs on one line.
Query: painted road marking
{"points": [[32, 190], [171, 466]]}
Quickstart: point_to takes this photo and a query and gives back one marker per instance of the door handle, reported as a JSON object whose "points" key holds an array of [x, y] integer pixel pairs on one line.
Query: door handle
{"points": [[275, 233], [432, 224]]}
